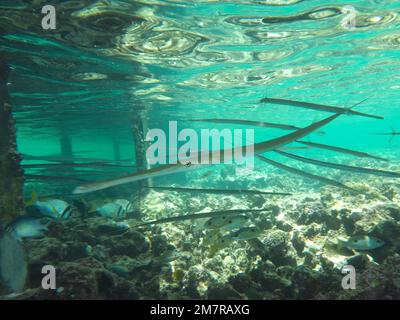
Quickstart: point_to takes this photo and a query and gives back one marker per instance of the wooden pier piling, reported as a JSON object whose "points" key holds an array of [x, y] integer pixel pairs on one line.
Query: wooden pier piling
{"points": [[11, 173]]}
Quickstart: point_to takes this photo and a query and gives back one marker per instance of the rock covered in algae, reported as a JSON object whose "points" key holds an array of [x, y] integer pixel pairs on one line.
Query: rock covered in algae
{"points": [[13, 264]]}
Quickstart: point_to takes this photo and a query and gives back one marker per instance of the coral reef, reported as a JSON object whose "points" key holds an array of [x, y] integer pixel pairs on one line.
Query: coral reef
{"points": [[296, 257]]}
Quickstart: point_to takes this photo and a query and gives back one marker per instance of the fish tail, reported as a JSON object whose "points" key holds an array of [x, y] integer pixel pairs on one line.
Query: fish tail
{"points": [[34, 199]]}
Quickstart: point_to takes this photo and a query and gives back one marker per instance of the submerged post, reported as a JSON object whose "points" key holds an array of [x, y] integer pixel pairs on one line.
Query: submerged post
{"points": [[138, 130], [11, 173]]}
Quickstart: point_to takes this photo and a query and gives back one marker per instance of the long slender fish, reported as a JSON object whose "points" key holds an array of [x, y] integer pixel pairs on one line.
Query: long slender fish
{"points": [[393, 133], [386, 133], [55, 178], [294, 148], [253, 123], [199, 158], [319, 107], [341, 150], [305, 174], [84, 165], [375, 172], [197, 216], [221, 191], [250, 123], [56, 158]]}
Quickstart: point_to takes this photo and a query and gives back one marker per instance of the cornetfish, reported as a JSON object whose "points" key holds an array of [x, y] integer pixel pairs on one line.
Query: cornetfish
{"points": [[221, 191], [198, 158], [305, 174], [393, 133], [250, 123], [83, 165], [197, 216], [320, 107], [375, 172], [341, 150]]}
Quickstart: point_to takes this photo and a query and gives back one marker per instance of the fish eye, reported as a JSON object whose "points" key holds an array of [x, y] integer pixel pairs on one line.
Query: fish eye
{"points": [[223, 217], [230, 221], [222, 241]]}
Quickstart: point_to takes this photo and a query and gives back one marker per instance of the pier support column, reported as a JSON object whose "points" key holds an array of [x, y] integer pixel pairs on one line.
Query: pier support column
{"points": [[139, 127], [11, 173]]}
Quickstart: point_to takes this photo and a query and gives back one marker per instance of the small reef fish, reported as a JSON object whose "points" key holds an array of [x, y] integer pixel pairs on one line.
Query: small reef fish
{"points": [[320, 107], [305, 174], [40, 209], [223, 223], [226, 222], [211, 237], [341, 150], [63, 209], [338, 166], [114, 210], [246, 233], [337, 247], [162, 170], [363, 243], [54, 208], [221, 191], [28, 227], [220, 243]]}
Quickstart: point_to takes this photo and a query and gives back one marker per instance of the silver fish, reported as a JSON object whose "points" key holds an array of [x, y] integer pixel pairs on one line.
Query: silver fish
{"points": [[260, 147], [364, 243], [226, 222], [198, 216], [341, 150], [376, 172], [246, 233], [28, 227], [305, 174]]}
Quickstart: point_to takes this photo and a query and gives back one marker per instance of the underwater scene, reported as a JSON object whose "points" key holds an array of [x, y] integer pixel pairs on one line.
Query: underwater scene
{"points": [[199, 149]]}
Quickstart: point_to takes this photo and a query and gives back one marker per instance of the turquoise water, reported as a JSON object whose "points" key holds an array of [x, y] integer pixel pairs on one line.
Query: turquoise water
{"points": [[214, 60], [113, 70]]}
